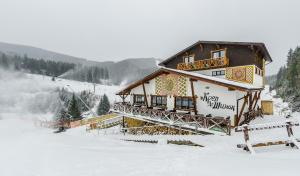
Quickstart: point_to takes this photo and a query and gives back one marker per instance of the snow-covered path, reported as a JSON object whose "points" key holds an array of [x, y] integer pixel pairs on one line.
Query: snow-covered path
{"points": [[26, 150]]}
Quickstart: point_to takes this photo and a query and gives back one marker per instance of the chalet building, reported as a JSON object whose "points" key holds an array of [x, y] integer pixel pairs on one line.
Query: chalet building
{"points": [[207, 79]]}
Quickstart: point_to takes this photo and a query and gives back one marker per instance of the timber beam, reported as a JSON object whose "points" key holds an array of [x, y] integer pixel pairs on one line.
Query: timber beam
{"points": [[239, 115], [193, 95], [145, 95]]}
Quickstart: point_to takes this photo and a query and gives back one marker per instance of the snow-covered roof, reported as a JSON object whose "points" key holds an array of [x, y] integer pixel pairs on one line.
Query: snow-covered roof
{"points": [[196, 76]]}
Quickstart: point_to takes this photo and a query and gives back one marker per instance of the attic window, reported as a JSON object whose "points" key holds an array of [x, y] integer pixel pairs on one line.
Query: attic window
{"points": [[188, 59], [218, 54]]}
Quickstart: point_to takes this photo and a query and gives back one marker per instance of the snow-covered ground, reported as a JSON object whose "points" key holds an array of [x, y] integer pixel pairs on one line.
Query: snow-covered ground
{"points": [[27, 150], [31, 151]]}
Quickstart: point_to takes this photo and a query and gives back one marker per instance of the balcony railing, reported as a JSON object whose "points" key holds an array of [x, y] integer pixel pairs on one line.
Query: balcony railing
{"points": [[196, 123], [204, 64]]}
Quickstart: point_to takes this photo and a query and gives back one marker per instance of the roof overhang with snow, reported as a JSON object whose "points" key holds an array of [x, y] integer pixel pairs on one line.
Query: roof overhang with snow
{"points": [[195, 76]]}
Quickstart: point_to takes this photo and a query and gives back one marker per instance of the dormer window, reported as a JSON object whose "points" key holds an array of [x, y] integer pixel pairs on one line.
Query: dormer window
{"points": [[218, 54], [188, 59]]}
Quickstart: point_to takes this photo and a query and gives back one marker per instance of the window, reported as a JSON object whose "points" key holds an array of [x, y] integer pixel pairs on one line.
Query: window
{"points": [[139, 99], [218, 54], [160, 101], [184, 103], [258, 71], [218, 73], [188, 59]]}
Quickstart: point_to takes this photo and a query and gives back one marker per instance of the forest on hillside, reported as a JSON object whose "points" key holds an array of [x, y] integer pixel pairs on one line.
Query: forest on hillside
{"points": [[35, 66], [92, 74], [288, 79]]}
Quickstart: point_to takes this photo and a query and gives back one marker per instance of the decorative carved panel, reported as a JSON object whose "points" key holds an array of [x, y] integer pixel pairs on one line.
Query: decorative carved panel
{"points": [[171, 84], [241, 74], [204, 64]]}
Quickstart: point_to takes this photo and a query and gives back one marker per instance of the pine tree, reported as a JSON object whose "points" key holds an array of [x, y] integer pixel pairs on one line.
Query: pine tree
{"points": [[74, 109], [63, 115], [4, 61], [90, 76], [103, 106], [290, 57]]}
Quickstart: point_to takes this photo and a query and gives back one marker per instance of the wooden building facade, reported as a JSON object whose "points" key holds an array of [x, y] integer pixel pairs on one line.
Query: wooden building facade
{"points": [[211, 79]]}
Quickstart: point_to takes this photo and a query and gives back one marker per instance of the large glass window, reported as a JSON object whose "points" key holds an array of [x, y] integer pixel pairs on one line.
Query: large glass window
{"points": [[160, 101], [184, 103], [139, 99]]}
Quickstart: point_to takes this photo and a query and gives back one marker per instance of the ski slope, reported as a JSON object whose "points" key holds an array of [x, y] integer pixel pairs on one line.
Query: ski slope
{"points": [[27, 150], [35, 96]]}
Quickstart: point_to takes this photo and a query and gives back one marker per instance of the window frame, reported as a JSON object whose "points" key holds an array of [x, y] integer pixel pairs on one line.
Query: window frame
{"points": [[258, 71], [219, 51], [162, 103], [218, 73], [139, 96], [190, 58], [182, 99]]}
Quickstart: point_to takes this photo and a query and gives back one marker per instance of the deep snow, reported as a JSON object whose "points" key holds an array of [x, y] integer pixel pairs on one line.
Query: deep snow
{"points": [[27, 150]]}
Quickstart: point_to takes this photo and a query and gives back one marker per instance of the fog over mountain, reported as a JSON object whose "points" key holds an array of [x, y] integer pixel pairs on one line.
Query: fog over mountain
{"points": [[121, 72], [38, 53]]}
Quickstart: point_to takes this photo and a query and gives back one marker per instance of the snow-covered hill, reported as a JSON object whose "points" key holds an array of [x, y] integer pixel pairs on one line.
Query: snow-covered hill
{"points": [[29, 95], [28, 150]]}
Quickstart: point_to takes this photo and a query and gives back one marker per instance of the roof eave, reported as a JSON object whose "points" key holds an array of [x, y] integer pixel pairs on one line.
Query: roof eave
{"points": [[163, 70]]}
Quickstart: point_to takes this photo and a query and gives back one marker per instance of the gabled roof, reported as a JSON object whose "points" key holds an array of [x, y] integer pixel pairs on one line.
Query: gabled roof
{"points": [[195, 76], [261, 46]]}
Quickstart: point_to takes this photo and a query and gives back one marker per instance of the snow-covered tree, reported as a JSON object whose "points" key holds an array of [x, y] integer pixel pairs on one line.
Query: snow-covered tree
{"points": [[103, 106], [74, 110]]}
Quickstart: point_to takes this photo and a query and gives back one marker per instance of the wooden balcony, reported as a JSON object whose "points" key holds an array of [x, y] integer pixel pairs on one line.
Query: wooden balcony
{"points": [[204, 64], [193, 123]]}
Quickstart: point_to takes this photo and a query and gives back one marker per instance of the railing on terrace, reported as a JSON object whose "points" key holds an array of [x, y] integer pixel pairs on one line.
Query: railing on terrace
{"points": [[195, 123], [204, 64]]}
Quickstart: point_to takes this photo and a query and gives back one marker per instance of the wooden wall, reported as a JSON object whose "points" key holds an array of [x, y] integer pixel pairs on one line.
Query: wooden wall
{"points": [[238, 55]]}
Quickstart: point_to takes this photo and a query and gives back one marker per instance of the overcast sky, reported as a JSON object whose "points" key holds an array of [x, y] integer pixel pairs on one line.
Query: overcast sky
{"points": [[118, 29]]}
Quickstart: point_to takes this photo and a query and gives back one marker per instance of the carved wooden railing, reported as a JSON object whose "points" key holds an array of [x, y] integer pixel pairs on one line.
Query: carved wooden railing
{"points": [[204, 64], [195, 123]]}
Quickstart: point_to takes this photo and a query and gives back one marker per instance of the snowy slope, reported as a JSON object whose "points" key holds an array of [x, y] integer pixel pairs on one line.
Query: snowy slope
{"points": [[29, 95], [31, 151]]}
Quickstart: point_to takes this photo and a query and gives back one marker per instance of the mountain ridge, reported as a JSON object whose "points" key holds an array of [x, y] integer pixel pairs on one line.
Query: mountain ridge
{"points": [[121, 72]]}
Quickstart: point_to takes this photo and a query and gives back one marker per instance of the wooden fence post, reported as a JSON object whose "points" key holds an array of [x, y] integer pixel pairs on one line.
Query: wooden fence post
{"points": [[228, 126], [246, 135], [289, 129]]}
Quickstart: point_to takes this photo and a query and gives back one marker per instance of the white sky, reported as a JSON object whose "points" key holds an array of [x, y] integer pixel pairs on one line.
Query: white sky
{"points": [[117, 29]]}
